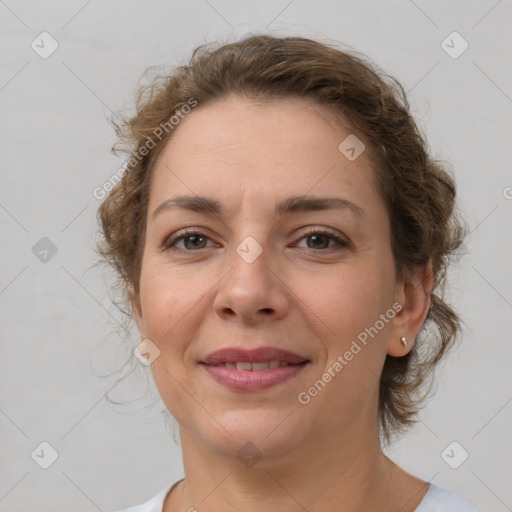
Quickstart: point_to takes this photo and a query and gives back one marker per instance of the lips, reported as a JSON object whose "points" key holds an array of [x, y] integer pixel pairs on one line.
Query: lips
{"points": [[253, 370], [269, 355], [254, 367]]}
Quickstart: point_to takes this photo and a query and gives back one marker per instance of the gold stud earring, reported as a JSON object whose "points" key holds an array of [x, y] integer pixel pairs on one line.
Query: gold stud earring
{"points": [[403, 339]]}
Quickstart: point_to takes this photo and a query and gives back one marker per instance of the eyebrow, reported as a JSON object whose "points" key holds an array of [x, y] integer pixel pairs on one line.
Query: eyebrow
{"points": [[294, 204]]}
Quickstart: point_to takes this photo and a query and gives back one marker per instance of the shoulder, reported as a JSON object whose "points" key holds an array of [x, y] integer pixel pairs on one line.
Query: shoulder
{"points": [[441, 500], [155, 504]]}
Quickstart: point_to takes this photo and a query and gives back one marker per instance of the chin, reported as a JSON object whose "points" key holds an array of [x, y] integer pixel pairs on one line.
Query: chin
{"points": [[255, 433]]}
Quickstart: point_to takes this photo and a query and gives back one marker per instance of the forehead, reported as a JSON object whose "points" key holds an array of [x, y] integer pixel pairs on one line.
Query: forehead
{"points": [[238, 147]]}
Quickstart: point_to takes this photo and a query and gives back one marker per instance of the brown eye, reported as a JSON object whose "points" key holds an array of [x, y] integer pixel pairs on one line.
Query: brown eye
{"points": [[192, 240], [321, 239]]}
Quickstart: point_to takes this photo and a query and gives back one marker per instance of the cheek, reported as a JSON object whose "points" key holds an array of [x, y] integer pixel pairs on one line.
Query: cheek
{"points": [[350, 297], [171, 301], [346, 307], [168, 299]]}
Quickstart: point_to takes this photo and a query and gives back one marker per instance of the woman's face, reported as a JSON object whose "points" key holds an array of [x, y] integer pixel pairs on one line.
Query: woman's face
{"points": [[267, 271]]}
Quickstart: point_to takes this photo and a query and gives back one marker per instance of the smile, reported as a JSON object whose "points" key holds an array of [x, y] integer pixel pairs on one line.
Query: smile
{"points": [[253, 376], [244, 366]]}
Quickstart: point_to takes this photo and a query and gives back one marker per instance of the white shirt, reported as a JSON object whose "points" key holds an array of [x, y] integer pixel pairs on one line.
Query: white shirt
{"points": [[436, 500]]}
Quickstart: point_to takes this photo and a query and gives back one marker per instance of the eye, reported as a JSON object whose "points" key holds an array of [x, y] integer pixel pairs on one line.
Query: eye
{"points": [[320, 239], [192, 239]]}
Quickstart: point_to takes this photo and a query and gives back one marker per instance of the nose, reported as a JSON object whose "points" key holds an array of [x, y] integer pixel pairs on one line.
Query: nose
{"points": [[252, 291]]}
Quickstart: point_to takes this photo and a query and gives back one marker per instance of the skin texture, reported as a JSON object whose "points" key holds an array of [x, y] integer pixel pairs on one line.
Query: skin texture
{"points": [[309, 298]]}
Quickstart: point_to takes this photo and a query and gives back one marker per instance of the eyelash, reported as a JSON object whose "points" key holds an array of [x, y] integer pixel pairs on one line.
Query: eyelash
{"points": [[169, 243]]}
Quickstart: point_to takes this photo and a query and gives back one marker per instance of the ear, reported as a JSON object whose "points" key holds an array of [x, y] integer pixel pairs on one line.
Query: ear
{"points": [[415, 298]]}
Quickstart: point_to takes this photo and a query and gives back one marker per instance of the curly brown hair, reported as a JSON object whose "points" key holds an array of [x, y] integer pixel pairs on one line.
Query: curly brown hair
{"points": [[418, 190]]}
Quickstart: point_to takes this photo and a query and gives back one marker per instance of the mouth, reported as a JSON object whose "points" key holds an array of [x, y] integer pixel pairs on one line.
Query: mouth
{"points": [[253, 367], [268, 355], [253, 370]]}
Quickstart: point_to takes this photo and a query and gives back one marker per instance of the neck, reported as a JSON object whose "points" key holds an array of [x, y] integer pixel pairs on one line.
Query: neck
{"points": [[320, 475]]}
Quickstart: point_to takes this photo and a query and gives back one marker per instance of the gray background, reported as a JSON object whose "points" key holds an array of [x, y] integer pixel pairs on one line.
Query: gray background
{"points": [[61, 341]]}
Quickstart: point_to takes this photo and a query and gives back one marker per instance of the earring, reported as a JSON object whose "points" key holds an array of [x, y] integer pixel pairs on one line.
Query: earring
{"points": [[403, 339]]}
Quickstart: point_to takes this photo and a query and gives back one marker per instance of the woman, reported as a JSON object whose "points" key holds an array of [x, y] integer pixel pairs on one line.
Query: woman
{"points": [[282, 235]]}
